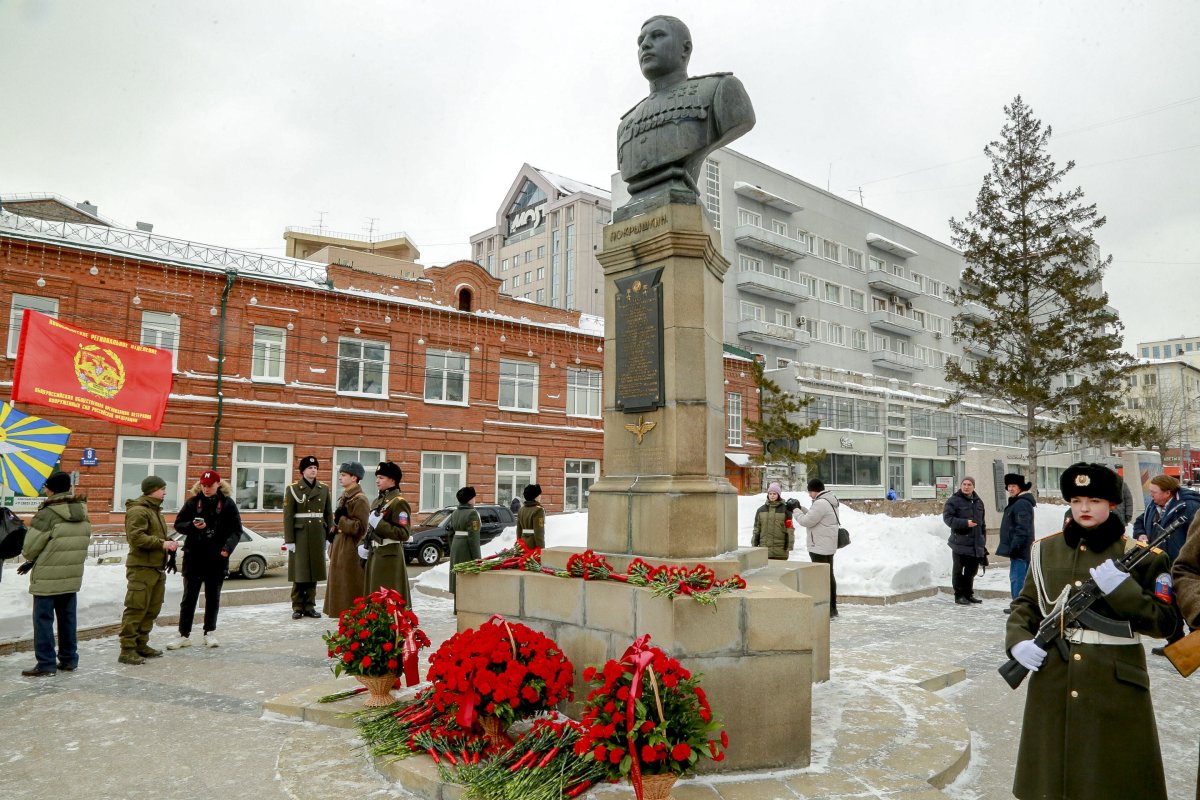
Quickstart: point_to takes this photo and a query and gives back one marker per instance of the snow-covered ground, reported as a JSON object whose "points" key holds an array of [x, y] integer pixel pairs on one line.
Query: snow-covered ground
{"points": [[887, 555]]}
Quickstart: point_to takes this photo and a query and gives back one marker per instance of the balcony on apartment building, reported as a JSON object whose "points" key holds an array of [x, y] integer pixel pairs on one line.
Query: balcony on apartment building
{"points": [[770, 242], [770, 333], [771, 287], [894, 323], [975, 311], [976, 347], [898, 361], [884, 281]]}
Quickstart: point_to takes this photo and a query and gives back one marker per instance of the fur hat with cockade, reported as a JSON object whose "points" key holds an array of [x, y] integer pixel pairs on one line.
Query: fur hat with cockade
{"points": [[1090, 480]]}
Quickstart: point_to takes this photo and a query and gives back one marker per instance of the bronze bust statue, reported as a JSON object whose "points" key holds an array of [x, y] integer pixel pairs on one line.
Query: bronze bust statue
{"points": [[663, 140]]}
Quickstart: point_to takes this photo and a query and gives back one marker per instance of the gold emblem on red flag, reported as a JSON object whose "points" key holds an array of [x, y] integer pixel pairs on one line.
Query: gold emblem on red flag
{"points": [[99, 370]]}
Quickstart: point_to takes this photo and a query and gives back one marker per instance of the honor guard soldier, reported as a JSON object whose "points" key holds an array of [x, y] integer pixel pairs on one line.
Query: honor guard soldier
{"points": [[387, 531], [465, 524], [307, 518], [531, 521]]}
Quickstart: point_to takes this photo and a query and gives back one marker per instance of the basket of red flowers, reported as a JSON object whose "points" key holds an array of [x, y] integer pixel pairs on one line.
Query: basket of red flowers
{"points": [[376, 640], [498, 673], [648, 720]]}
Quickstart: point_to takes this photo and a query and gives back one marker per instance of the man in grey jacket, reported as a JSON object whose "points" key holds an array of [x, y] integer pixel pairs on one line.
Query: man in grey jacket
{"points": [[821, 522]]}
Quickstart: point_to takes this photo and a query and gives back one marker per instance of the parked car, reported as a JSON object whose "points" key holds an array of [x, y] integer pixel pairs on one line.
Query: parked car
{"points": [[430, 540], [254, 555]]}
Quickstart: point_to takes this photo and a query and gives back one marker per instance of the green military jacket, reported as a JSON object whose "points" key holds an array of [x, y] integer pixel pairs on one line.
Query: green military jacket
{"points": [[307, 517], [386, 563], [532, 517], [1089, 717], [57, 545], [771, 530], [145, 530]]}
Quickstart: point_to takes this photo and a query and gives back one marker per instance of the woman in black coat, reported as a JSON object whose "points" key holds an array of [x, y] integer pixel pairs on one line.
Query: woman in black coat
{"points": [[964, 516]]}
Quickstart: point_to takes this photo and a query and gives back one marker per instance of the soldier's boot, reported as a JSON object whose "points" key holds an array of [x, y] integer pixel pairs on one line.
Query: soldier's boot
{"points": [[130, 657], [148, 652]]}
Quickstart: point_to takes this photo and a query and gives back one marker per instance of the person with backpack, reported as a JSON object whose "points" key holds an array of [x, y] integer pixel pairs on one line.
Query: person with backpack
{"points": [[56, 547], [822, 523]]}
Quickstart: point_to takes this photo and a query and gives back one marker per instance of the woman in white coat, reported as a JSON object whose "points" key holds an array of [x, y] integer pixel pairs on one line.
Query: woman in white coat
{"points": [[821, 522]]}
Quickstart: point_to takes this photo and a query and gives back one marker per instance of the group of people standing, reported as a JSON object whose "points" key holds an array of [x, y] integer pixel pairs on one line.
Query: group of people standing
{"points": [[776, 521]]}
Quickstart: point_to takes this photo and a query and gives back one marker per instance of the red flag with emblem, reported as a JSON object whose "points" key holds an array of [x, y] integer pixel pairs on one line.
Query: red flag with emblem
{"points": [[64, 367]]}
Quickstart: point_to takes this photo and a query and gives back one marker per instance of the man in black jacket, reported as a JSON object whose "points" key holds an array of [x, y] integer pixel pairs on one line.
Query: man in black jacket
{"points": [[1016, 530], [964, 515], [213, 526]]}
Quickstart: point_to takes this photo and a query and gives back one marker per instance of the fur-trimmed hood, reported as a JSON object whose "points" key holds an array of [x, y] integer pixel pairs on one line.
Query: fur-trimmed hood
{"points": [[223, 488]]}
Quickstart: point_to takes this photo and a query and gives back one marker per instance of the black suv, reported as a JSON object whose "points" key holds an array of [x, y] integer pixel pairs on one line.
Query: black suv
{"points": [[431, 536]]}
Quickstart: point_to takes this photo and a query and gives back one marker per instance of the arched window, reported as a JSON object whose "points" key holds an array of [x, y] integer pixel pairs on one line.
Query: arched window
{"points": [[464, 299]]}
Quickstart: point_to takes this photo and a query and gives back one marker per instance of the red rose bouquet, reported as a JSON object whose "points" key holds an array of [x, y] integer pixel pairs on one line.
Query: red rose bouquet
{"points": [[647, 716], [376, 636], [500, 669]]}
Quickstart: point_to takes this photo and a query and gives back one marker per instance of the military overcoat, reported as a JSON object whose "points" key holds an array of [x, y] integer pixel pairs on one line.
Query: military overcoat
{"points": [[386, 563], [307, 516], [464, 520], [532, 517], [345, 582]]}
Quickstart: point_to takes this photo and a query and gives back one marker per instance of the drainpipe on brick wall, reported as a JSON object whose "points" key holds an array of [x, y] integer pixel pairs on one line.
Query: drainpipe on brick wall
{"points": [[230, 277]]}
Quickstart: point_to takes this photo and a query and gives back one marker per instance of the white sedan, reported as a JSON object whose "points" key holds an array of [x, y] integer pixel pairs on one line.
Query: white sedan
{"points": [[254, 555]]}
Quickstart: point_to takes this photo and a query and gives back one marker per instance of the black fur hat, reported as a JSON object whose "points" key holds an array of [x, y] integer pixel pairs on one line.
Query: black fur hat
{"points": [[532, 492], [309, 461], [1090, 480], [390, 469], [465, 494], [1013, 479]]}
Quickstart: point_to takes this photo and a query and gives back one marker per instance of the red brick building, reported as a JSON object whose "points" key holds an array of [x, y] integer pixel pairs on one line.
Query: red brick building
{"points": [[279, 358]]}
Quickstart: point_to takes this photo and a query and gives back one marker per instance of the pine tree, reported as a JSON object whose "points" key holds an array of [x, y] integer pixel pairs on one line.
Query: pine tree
{"points": [[775, 429], [1034, 276]]}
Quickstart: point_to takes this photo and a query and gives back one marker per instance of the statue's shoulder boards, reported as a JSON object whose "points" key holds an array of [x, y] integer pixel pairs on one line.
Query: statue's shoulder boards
{"points": [[710, 75]]}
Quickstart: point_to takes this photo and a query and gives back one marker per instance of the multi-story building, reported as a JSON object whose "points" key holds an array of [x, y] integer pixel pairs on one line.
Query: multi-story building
{"points": [[1166, 393], [1181, 347], [854, 310], [277, 358], [542, 247]]}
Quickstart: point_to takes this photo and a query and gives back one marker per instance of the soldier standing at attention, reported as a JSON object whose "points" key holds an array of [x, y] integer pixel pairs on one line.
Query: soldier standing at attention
{"points": [[531, 521], [345, 581], [465, 524], [307, 518], [146, 532], [387, 531]]}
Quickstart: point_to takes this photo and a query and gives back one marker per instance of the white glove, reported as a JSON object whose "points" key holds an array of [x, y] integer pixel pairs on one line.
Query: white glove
{"points": [[289, 546], [373, 520], [1028, 655], [363, 552], [1108, 576]]}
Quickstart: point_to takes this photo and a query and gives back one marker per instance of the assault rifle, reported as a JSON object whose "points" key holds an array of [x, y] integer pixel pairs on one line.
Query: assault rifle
{"points": [[1077, 608]]}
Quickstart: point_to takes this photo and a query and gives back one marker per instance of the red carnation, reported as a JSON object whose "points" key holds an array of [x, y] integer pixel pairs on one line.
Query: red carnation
{"points": [[681, 751], [366, 662], [649, 754]]}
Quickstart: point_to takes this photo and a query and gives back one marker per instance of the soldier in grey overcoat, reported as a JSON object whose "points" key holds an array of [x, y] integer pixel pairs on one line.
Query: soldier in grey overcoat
{"points": [[1089, 729], [387, 531], [307, 519]]}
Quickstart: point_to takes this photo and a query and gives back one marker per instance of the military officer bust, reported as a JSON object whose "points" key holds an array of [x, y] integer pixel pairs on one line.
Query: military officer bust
{"points": [[663, 140]]}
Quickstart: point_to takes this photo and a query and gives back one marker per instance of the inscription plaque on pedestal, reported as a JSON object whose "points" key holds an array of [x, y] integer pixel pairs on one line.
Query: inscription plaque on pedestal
{"points": [[639, 335]]}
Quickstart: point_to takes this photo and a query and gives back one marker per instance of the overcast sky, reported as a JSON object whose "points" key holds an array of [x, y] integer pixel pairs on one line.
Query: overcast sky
{"points": [[224, 122]]}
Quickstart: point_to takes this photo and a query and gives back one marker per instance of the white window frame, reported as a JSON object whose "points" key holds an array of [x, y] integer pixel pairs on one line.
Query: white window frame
{"points": [[585, 392], [733, 406], [837, 333], [783, 318], [861, 305], [440, 482], [242, 461], [267, 356], [513, 474], [748, 217], [779, 227], [20, 302], [854, 259], [749, 264], [586, 473], [161, 329], [369, 457], [782, 271], [521, 378], [464, 371], [362, 362], [809, 282], [836, 290], [176, 489], [831, 250], [860, 340], [754, 311], [876, 264]]}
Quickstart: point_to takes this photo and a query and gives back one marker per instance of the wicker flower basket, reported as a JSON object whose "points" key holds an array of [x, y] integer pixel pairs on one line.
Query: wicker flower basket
{"points": [[379, 689], [658, 787], [495, 731]]}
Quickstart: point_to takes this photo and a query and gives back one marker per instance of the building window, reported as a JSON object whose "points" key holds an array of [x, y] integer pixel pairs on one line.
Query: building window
{"points": [[368, 458], [833, 293], [504, 265], [1145, 352], [733, 405], [541, 251], [362, 367], [857, 300], [578, 477], [809, 283], [860, 340], [779, 227], [846, 469], [831, 250], [20, 302], [749, 218], [161, 330], [528, 256], [877, 264], [446, 377], [583, 392], [540, 296], [541, 273], [442, 474], [837, 334], [752, 311], [529, 276], [712, 191], [139, 458], [518, 385], [782, 272], [854, 259], [266, 362], [783, 318], [516, 280], [748, 264], [513, 474], [1150, 379], [516, 260], [934, 287], [260, 474], [504, 286]]}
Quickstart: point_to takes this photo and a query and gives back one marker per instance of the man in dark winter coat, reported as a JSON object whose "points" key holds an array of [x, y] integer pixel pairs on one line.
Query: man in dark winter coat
{"points": [[1169, 501], [212, 527], [531, 519], [964, 515], [1016, 529], [307, 518], [464, 526]]}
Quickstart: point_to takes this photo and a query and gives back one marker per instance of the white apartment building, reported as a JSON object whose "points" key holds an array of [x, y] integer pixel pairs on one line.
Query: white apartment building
{"points": [[1181, 347]]}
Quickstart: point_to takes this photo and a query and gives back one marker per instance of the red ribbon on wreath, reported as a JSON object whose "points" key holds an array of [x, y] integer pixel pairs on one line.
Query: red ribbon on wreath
{"points": [[639, 655]]}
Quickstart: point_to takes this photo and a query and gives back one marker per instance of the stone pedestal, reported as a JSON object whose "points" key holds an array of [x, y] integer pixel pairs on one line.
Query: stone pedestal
{"points": [[663, 491]]}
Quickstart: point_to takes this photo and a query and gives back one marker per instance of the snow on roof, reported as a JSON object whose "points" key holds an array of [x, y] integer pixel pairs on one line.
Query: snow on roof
{"points": [[570, 186]]}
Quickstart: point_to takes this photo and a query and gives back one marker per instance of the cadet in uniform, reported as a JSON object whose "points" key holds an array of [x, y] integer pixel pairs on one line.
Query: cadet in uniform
{"points": [[307, 518], [465, 525], [146, 532], [531, 521], [1089, 729], [387, 531], [345, 582]]}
